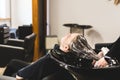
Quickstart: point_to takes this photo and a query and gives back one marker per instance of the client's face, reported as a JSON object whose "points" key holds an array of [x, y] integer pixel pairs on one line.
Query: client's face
{"points": [[66, 41]]}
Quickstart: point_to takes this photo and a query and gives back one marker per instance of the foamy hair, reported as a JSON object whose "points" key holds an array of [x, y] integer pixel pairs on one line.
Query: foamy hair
{"points": [[81, 47]]}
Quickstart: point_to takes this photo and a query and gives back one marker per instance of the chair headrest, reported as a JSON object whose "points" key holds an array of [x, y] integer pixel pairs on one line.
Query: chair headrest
{"points": [[29, 41]]}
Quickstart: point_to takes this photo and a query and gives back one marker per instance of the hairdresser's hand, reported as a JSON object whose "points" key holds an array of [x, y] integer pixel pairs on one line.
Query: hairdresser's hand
{"points": [[19, 78], [100, 54], [101, 63]]}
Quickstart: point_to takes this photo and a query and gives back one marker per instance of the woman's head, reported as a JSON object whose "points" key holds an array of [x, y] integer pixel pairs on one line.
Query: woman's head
{"points": [[78, 45], [67, 40]]}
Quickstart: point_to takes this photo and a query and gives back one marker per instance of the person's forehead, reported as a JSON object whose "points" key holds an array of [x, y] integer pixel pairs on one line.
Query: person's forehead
{"points": [[72, 35], [68, 38]]}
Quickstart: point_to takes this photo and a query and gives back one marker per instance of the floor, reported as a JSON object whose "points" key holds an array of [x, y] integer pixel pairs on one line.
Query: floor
{"points": [[2, 71]]}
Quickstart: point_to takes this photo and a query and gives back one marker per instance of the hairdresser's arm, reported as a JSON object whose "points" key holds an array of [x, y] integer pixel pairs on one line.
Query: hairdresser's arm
{"points": [[101, 63]]}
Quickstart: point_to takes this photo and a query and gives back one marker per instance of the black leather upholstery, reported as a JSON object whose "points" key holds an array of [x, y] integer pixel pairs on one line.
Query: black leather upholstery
{"points": [[17, 49], [24, 31], [98, 46], [108, 73], [13, 66]]}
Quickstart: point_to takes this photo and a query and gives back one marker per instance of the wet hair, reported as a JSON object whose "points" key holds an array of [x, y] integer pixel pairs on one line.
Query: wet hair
{"points": [[81, 48]]}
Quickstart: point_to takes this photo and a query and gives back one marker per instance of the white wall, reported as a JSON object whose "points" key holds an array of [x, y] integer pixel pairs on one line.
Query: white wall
{"points": [[4, 11], [103, 15], [21, 12]]}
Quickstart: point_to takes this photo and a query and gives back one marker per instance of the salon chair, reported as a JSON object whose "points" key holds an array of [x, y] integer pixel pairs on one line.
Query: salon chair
{"points": [[24, 30], [98, 46], [17, 49], [13, 66], [108, 73]]}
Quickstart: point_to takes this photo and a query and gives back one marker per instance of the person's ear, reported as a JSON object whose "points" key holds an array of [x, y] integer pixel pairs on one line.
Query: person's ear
{"points": [[66, 48]]}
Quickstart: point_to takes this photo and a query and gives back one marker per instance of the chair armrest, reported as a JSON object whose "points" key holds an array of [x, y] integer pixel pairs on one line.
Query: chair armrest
{"points": [[15, 42], [10, 47], [8, 53]]}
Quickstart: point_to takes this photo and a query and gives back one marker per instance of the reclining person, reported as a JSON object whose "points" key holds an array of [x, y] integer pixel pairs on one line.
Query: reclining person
{"points": [[73, 51]]}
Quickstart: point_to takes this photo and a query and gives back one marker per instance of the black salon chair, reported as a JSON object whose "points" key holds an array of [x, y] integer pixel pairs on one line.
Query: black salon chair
{"points": [[98, 46], [108, 73], [24, 30], [13, 66], [17, 49]]}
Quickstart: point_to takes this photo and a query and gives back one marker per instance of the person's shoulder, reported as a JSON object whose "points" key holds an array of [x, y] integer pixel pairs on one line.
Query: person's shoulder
{"points": [[44, 59]]}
